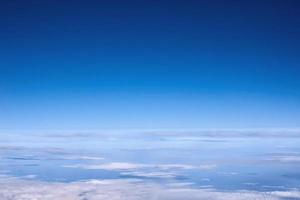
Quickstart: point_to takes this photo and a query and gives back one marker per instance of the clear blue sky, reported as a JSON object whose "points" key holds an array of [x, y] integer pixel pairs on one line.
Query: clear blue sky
{"points": [[149, 64]]}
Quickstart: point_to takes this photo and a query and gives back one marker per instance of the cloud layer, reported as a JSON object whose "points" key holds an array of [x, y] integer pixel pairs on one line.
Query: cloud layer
{"points": [[17, 189]]}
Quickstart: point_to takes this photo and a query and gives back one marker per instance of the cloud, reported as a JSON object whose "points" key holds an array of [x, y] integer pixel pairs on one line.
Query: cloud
{"points": [[205, 179], [145, 170], [82, 158], [119, 166], [151, 174], [163, 171], [250, 183], [228, 173], [285, 158], [108, 166], [17, 189], [207, 166]]}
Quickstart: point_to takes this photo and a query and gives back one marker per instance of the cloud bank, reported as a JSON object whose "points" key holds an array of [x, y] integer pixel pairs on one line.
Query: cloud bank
{"points": [[18, 189]]}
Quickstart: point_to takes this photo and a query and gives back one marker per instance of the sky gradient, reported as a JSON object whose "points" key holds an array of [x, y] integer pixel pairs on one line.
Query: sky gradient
{"points": [[149, 64]]}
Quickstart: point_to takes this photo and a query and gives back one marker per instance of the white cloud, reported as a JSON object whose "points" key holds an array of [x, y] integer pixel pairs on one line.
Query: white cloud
{"points": [[151, 174], [133, 166], [17, 189], [82, 158], [228, 173], [207, 166], [109, 166], [285, 158], [295, 194]]}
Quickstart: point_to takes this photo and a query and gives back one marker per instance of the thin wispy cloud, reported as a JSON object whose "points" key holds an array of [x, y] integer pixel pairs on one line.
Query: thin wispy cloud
{"points": [[133, 166], [74, 157], [285, 158]]}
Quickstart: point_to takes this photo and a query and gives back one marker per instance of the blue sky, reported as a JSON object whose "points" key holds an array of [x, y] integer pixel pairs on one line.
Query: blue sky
{"points": [[149, 64]]}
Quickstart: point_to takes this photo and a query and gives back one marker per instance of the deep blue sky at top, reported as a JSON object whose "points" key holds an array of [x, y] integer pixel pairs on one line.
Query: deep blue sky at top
{"points": [[149, 64]]}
